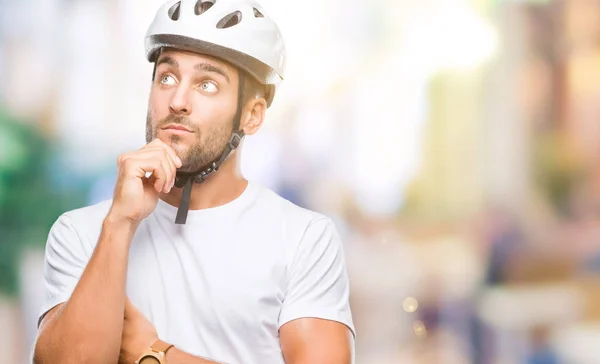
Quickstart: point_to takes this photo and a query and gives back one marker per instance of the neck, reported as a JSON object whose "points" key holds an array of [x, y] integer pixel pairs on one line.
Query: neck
{"points": [[222, 187]]}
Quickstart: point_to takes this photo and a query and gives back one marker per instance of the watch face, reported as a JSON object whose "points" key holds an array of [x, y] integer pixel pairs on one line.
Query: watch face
{"points": [[149, 360]]}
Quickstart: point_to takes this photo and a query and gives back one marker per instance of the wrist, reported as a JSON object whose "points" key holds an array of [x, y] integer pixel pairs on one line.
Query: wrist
{"points": [[120, 230], [116, 223], [171, 356], [158, 352]]}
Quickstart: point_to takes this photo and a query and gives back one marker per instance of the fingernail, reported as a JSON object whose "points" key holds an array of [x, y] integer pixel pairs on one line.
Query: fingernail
{"points": [[179, 161]]}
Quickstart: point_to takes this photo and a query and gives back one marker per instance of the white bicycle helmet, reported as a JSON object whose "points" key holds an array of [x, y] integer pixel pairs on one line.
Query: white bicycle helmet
{"points": [[237, 31]]}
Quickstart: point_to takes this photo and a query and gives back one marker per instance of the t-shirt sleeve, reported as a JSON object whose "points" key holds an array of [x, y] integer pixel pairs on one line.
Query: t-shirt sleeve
{"points": [[65, 260], [318, 281]]}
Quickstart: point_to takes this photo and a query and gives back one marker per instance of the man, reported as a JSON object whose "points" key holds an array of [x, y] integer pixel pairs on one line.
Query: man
{"points": [[243, 277]]}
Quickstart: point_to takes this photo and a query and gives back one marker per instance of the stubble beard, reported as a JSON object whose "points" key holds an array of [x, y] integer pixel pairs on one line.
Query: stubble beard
{"points": [[202, 152]]}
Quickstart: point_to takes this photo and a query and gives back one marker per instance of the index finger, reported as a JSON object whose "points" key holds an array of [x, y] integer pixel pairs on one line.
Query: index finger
{"points": [[170, 151]]}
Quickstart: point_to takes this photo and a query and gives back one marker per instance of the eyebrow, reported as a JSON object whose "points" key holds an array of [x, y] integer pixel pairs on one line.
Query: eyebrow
{"points": [[200, 67], [207, 67], [168, 60]]}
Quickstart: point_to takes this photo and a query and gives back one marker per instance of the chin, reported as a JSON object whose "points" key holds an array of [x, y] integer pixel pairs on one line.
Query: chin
{"points": [[176, 143], [165, 137]]}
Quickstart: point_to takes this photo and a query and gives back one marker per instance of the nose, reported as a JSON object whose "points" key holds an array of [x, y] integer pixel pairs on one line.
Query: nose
{"points": [[180, 104]]}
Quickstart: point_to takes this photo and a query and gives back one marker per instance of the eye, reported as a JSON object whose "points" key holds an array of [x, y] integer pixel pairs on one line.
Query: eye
{"points": [[167, 80], [208, 86]]}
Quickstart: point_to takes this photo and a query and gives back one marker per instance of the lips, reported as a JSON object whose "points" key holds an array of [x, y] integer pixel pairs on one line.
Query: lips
{"points": [[177, 127]]}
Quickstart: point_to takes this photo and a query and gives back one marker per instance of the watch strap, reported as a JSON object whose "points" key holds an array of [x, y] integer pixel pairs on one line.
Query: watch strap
{"points": [[160, 346]]}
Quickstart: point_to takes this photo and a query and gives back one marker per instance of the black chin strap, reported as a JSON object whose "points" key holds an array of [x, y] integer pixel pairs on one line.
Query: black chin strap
{"points": [[186, 196], [187, 179]]}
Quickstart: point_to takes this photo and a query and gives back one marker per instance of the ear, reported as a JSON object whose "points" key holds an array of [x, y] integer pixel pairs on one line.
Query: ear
{"points": [[254, 115]]}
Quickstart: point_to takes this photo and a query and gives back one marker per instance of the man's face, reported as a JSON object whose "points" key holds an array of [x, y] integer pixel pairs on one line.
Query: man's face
{"points": [[192, 104]]}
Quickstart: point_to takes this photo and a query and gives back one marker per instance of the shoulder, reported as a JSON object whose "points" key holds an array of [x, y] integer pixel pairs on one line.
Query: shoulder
{"points": [[82, 224], [290, 215], [89, 216], [300, 228]]}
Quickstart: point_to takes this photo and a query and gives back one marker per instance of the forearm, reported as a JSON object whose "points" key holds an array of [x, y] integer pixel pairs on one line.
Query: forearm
{"points": [[88, 327], [176, 356]]}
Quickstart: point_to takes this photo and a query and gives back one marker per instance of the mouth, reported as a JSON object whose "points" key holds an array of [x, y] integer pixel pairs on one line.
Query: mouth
{"points": [[177, 127]]}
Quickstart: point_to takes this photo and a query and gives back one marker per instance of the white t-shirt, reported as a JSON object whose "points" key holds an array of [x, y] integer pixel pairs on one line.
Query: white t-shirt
{"points": [[221, 285]]}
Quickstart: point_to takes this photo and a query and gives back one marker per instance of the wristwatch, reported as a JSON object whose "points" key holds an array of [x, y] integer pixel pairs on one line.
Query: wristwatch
{"points": [[155, 354]]}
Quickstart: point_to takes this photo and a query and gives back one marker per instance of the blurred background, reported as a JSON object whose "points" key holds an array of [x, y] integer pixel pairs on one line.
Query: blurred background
{"points": [[455, 143]]}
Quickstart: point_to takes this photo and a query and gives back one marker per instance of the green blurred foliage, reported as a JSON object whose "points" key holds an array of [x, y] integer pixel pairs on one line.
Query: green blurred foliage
{"points": [[29, 200]]}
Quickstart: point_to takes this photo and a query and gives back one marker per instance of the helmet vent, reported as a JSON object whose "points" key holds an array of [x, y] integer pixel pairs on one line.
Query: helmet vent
{"points": [[202, 6], [230, 20], [174, 11], [258, 14]]}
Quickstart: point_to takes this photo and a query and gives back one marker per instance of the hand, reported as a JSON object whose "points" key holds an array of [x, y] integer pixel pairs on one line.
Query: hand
{"points": [[135, 195], [138, 334]]}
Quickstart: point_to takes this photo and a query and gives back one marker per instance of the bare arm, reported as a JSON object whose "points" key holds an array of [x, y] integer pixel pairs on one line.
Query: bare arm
{"points": [[176, 356], [316, 322], [316, 341], [88, 327], [139, 334], [303, 341], [69, 332]]}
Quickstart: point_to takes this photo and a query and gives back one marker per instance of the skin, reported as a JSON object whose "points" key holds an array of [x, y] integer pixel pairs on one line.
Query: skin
{"points": [[199, 93]]}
